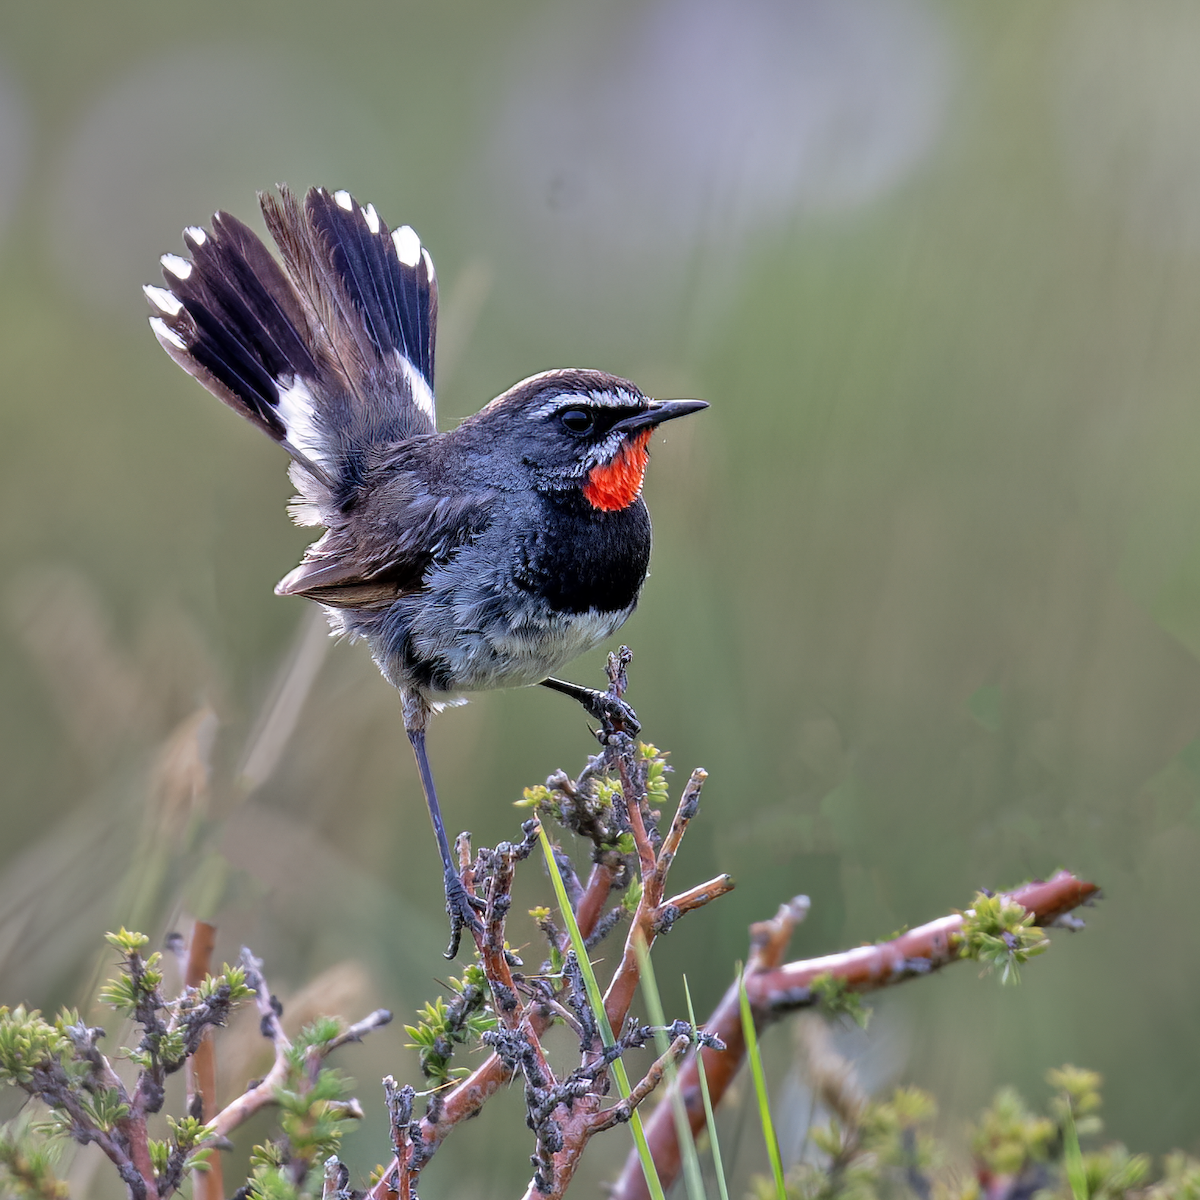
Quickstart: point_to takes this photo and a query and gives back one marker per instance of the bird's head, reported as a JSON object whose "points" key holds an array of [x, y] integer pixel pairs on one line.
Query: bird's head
{"points": [[581, 429]]}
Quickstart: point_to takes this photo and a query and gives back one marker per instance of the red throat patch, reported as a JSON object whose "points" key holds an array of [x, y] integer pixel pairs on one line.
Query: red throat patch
{"points": [[615, 485]]}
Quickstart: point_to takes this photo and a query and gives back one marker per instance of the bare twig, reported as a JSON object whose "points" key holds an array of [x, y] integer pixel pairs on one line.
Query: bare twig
{"points": [[647, 920], [653, 1077], [688, 804], [359, 1030], [263, 1093]]}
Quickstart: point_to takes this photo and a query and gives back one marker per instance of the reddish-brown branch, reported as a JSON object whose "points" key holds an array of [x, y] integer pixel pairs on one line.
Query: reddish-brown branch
{"points": [[634, 796], [645, 924], [595, 897], [653, 1077], [127, 1145], [578, 1133], [683, 815], [202, 1066], [701, 894], [774, 990]]}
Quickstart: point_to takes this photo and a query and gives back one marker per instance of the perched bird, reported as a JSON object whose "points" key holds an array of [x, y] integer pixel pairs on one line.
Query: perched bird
{"points": [[487, 556]]}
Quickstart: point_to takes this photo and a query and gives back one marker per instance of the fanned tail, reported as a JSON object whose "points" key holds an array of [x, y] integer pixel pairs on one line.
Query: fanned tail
{"points": [[329, 357]]}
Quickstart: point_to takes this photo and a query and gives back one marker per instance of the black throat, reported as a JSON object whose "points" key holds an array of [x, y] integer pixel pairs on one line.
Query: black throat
{"points": [[582, 558]]}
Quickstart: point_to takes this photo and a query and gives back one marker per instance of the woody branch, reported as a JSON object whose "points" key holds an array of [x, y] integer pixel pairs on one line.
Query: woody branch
{"points": [[775, 988]]}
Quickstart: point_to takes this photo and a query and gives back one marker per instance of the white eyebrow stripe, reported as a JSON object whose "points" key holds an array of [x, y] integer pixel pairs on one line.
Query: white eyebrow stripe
{"points": [[561, 401]]}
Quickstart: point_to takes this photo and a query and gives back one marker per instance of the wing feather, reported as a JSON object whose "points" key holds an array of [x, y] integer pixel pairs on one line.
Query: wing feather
{"points": [[389, 548]]}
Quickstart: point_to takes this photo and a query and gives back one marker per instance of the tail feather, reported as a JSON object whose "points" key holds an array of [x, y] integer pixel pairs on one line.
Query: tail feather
{"points": [[373, 294], [396, 295], [329, 354]]}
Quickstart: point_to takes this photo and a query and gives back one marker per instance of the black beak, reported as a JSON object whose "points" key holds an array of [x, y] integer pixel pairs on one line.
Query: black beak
{"points": [[658, 412]]}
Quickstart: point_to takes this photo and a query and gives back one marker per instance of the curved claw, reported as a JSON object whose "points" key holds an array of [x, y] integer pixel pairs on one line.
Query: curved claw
{"points": [[461, 907]]}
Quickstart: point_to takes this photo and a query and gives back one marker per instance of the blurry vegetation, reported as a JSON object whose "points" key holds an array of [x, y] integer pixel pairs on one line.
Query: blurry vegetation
{"points": [[867, 1148]]}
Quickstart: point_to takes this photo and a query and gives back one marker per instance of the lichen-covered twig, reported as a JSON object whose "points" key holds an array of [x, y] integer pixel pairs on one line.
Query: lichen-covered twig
{"points": [[263, 1093], [467, 1098]]}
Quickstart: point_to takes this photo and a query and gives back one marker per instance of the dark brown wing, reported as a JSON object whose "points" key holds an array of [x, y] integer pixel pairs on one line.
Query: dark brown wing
{"points": [[389, 548]]}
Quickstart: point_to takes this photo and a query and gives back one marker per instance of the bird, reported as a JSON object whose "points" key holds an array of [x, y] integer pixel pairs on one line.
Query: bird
{"points": [[489, 555]]}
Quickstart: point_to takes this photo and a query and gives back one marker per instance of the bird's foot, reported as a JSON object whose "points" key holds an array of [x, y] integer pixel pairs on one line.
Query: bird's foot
{"points": [[614, 715], [461, 907], [612, 712]]}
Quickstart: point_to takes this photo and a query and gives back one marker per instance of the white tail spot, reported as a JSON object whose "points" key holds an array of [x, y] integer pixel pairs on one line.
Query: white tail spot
{"points": [[344, 200], [179, 267], [166, 335], [196, 234], [372, 218], [428, 262], [163, 300], [418, 389], [298, 411], [408, 245]]}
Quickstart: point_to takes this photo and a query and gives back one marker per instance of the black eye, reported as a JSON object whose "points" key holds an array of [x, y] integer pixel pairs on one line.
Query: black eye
{"points": [[578, 420]]}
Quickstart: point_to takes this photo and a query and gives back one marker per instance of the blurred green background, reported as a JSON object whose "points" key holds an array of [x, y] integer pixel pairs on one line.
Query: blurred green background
{"points": [[926, 585]]}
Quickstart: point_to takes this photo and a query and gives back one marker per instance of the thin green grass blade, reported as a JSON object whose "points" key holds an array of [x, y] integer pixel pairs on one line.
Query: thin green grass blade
{"points": [[760, 1088], [693, 1180], [709, 1119], [596, 1000], [1073, 1158]]}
